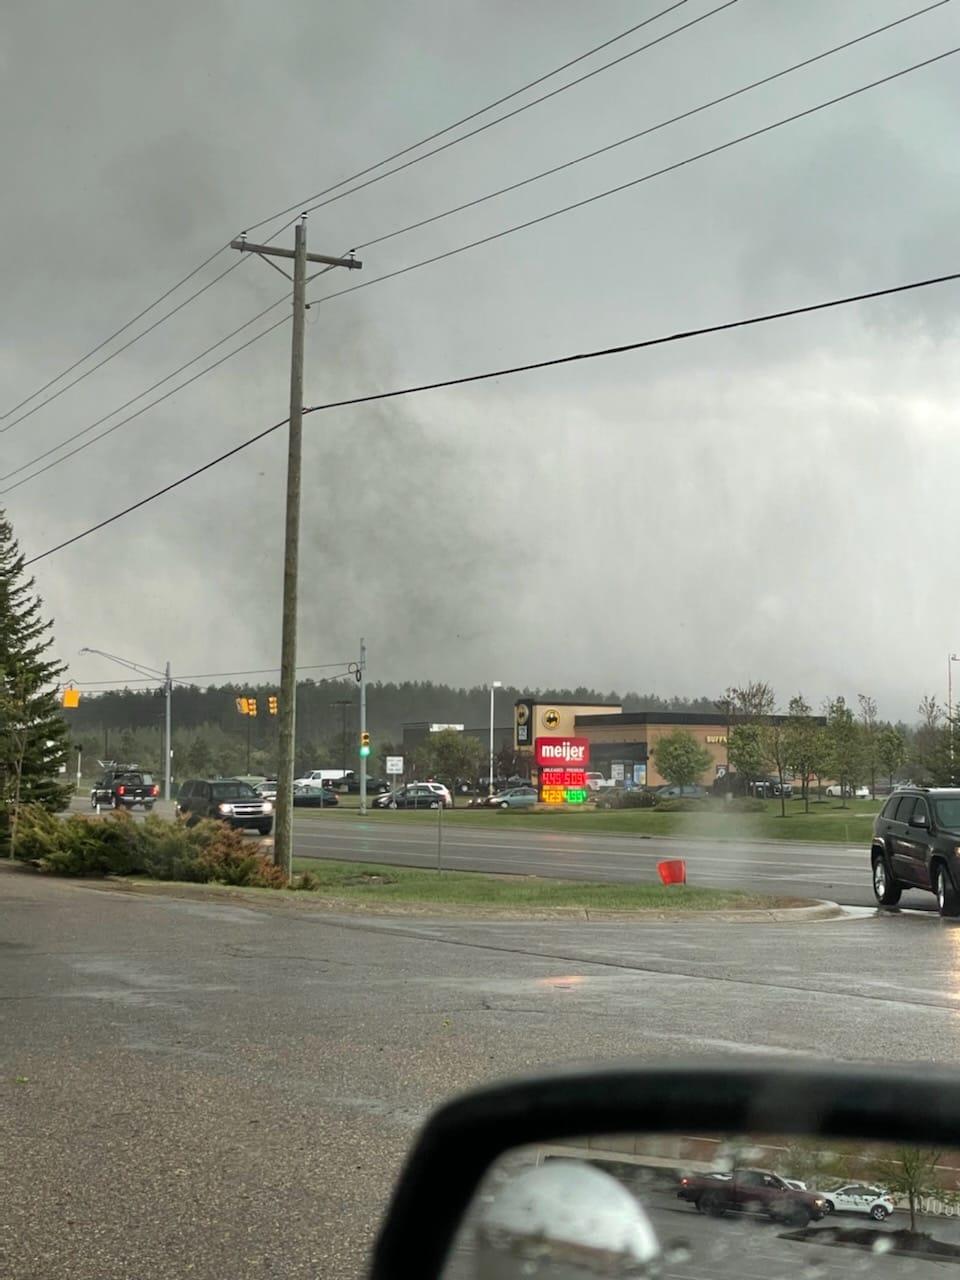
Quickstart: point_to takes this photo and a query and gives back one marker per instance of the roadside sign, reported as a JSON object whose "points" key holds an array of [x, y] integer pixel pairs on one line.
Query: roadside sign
{"points": [[394, 764], [616, 772]]}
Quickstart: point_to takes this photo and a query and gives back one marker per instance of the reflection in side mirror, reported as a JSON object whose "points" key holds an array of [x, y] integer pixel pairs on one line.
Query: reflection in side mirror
{"points": [[705, 1205], [919, 820], [717, 1171]]}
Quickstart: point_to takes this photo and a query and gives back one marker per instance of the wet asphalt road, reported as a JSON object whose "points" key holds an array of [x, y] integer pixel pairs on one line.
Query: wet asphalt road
{"points": [[205, 1089], [787, 868]]}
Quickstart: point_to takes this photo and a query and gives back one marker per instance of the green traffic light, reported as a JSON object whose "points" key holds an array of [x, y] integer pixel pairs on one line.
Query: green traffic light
{"points": [[364, 751]]}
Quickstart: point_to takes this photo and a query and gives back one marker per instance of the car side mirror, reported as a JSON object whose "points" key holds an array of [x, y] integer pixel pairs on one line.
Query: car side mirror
{"points": [[622, 1170], [919, 820]]}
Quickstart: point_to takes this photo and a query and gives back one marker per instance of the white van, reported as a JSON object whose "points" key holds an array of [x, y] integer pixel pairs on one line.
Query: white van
{"points": [[322, 778]]}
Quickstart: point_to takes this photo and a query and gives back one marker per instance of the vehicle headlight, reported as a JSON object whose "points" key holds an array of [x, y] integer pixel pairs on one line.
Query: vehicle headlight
{"points": [[819, 1203], [225, 808], [267, 807]]}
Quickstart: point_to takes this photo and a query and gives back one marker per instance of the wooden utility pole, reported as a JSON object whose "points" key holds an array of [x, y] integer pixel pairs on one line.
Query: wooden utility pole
{"points": [[287, 713]]}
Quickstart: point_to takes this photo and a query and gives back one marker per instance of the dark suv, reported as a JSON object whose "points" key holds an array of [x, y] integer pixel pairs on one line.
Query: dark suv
{"points": [[228, 799], [916, 845]]}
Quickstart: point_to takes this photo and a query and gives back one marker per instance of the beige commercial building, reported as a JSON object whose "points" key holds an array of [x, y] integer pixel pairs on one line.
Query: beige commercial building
{"points": [[621, 742]]}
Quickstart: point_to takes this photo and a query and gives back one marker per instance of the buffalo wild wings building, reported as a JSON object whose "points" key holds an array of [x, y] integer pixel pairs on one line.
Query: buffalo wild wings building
{"points": [[617, 743]]}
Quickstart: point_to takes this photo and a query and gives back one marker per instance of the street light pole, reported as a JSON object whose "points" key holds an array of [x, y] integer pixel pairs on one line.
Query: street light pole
{"points": [[167, 717], [494, 684]]}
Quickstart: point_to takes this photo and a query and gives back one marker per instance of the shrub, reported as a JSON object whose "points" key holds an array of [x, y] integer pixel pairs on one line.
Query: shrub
{"points": [[680, 804], [745, 804], [115, 844], [643, 798]]}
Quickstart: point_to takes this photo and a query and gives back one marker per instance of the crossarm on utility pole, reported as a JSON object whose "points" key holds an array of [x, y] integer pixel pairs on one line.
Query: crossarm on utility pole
{"points": [[270, 251]]}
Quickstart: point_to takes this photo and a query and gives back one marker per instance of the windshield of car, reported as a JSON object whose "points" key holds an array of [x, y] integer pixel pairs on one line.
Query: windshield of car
{"points": [[232, 791], [632, 407], [947, 813]]}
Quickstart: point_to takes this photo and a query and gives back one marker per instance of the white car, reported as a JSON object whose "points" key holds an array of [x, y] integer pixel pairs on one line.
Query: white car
{"points": [[441, 790], [860, 793], [857, 1197]]}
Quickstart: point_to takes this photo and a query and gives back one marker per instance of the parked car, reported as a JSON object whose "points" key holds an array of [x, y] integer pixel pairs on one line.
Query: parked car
{"points": [[268, 790], [856, 1197], [415, 795], [685, 793], [124, 788], [515, 798], [915, 846], [233, 802], [311, 796], [860, 792]]}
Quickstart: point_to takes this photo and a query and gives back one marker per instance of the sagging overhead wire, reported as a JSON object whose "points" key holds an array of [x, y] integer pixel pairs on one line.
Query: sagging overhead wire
{"points": [[556, 362]]}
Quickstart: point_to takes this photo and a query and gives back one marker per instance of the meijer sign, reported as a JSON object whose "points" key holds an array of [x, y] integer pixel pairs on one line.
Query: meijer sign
{"points": [[563, 751]]}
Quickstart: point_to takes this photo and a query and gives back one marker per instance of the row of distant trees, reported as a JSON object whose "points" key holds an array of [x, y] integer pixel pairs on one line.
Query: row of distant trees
{"points": [[853, 746], [850, 747]]}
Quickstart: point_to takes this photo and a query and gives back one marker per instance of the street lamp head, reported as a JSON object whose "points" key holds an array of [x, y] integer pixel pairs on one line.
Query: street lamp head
{"points": [[496, 684]]}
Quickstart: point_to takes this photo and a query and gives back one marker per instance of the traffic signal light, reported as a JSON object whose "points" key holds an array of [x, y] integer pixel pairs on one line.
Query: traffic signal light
{"points": [[364, 744], [71, 697], [272, 701], [251, 706], [243, 706]]}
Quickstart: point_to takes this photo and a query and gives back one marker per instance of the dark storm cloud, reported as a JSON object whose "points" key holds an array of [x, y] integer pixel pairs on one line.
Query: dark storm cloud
{"points": [[677, 520]]}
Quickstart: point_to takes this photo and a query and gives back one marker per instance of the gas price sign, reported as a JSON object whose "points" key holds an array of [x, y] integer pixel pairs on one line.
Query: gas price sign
{"points": [[566, 784]]}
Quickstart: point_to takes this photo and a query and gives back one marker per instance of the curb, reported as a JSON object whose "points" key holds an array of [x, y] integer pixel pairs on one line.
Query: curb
{"points": [[293, 900]]}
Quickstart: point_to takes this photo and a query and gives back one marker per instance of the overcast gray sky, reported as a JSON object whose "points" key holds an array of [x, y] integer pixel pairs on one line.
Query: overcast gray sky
{"points": [[774, 504]]}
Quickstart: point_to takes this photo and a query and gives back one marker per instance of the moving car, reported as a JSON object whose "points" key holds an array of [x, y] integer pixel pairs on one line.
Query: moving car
{"points": [[752, 1191], [124, 788], [228, 799], [349, 784], [515, 798], [916, 845], [415, 795], [311, 796], [857, 1197]]}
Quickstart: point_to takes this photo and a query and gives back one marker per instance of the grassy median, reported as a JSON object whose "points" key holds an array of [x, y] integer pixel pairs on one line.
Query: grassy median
{"points": [[372, 882], [827, 822]]}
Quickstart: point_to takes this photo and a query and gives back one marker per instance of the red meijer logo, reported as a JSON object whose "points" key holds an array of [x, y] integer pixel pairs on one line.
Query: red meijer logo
{"points": [[563, 750]]}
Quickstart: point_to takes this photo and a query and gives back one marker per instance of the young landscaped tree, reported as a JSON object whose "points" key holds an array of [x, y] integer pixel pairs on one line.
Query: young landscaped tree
{"points": [[775, 743], [891, 750], [745, 751], [681, 759], [804, 744], [844, 746], [913, 1175], [869, 735], [450, 754], [33, 734]]}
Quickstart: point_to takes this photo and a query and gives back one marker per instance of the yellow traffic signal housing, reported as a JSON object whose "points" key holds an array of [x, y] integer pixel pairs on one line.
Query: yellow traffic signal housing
{"points": [[272, 701], [71, 697]]}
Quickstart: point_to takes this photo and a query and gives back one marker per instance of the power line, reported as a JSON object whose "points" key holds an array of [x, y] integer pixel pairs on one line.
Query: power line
{"points": [[153, 403], [119, 351], [557, 361], [212, 675], [474, 115], [310, 208], [490, 106], [117, 332], [654, 128], [646, 177], [679, 164]]}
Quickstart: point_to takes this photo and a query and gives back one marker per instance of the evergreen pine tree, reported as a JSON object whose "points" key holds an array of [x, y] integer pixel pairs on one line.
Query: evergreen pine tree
{"points": [[33, 734]]}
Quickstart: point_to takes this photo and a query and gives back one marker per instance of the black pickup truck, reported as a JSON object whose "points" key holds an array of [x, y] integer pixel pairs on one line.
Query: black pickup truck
{"points": [[123, 788]]}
